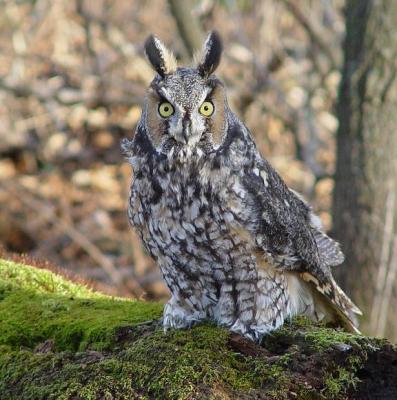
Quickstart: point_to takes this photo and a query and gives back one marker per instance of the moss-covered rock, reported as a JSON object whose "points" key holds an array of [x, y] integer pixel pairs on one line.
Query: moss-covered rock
{"points": [[60, 340]]}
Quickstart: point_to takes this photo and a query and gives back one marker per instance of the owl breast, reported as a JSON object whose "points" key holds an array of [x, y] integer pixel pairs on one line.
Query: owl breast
{"points": [[188, 221]]}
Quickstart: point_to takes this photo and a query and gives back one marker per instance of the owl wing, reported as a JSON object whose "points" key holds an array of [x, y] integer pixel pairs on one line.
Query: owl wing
{"points": [[284, 228], [284, 224]]}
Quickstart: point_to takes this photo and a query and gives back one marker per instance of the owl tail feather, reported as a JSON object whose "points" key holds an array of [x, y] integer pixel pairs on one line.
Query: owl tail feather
{"points": [[345, 310], [336, 305]]}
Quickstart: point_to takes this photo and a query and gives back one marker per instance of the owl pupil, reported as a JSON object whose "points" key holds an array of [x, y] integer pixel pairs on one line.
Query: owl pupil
{"points": [[206, 108], [165, 109]]}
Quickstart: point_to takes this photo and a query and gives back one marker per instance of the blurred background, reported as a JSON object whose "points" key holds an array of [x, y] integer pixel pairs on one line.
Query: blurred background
{"points": [[72, 82]]}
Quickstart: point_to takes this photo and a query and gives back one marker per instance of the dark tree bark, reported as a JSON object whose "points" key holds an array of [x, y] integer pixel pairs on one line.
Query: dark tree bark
{"points": [[365, 196]]}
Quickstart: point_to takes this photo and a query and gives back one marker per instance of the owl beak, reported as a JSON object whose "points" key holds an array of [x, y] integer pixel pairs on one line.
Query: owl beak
{"points": [[186, 127]]}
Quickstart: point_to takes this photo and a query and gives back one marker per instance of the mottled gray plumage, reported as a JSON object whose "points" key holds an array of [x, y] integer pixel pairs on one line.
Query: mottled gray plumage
{"points": [[234, 243]]}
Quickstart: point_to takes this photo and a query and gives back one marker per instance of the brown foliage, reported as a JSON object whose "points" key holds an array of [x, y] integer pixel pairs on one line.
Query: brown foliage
{"points": [[72, 79]]}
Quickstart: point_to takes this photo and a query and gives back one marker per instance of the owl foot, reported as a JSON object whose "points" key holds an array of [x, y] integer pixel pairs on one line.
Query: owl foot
{"points": [[179, 316]]}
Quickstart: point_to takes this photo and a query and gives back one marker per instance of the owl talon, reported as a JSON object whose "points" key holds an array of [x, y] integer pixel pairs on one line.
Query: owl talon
{"points": [[177, 316]]}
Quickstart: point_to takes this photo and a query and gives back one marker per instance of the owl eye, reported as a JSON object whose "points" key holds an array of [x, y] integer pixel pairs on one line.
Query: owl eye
{"points": [[166, 109], [207, 109]]}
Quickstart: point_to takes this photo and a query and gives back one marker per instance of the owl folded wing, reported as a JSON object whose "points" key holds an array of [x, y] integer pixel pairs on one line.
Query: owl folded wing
{"points": [[284, 224], [290, 235]]}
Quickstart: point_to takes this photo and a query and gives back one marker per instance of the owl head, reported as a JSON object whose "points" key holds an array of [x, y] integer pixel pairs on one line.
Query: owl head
{"points": [[184, 107]]}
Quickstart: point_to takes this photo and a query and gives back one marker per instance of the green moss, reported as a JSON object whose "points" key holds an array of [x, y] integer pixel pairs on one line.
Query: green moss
{"points": [[18, 276], [177, 362], [343, 378], [177, 365], [339, 382], [319, 337], [25, 375], [60, 340], [37, 305]]}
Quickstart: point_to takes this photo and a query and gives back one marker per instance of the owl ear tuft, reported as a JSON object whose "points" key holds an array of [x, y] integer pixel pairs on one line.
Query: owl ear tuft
{"points": [[162, 60], [211, 54]]}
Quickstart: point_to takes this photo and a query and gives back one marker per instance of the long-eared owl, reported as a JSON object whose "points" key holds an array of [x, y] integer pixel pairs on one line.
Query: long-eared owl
{"points": [[234, 244]]}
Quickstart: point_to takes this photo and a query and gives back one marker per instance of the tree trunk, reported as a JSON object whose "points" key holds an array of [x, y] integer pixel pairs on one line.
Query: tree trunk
{"points": [[365, 196]]}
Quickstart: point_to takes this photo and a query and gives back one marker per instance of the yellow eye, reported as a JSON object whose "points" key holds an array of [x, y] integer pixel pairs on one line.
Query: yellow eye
{"points": [[166, 109], [207, 109]]}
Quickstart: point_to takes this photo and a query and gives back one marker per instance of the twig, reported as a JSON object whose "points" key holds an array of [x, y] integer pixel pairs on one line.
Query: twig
{"points": [[94, 61], [314, 36], [69, 97]]}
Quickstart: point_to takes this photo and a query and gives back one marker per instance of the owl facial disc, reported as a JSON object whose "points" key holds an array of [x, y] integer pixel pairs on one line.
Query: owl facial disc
{"points": [[185, 107]]}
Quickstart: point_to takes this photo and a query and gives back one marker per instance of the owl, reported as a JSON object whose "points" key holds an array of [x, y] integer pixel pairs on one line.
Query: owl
{"points": [[234, 244]]}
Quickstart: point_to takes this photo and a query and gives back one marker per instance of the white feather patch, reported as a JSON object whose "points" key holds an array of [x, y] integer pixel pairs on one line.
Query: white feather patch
{"points": [[170, 63]]}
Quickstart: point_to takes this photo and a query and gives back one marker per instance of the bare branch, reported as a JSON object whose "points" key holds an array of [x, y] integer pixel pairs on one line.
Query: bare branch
{"points": [[188, 25], [314, 36], [68, 96]]}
